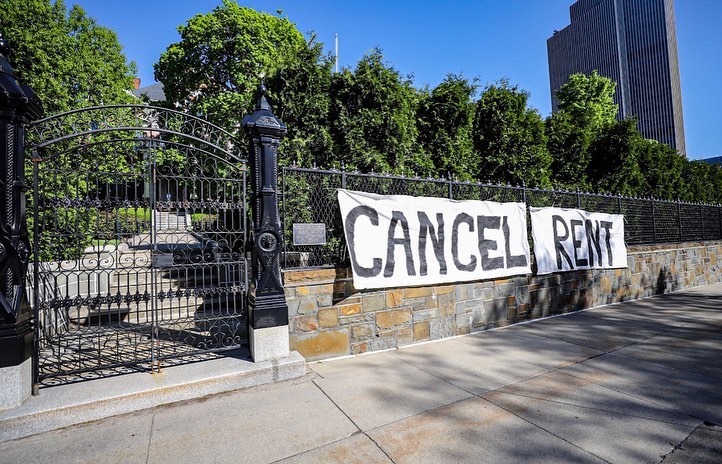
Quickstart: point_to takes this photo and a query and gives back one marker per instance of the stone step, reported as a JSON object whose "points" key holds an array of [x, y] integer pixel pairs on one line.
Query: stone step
{"points": [[66, 405]]}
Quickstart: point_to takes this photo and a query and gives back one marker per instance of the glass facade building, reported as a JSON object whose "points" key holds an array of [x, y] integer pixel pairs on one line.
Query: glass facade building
{"points": [[634, 43]]}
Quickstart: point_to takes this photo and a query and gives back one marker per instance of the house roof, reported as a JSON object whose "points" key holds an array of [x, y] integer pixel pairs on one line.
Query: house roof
{"points": [[154, 92]]}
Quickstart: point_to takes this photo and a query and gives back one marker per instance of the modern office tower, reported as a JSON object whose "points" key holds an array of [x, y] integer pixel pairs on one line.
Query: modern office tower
{"points": [[634, 43]]}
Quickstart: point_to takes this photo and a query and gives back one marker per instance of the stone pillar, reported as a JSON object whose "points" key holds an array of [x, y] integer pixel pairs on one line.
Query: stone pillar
{"points": [[18, 106], [268, 310]]}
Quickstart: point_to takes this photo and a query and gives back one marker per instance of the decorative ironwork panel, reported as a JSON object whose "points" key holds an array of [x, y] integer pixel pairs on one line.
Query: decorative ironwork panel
{"points": [[140, 241], [309, 196]]}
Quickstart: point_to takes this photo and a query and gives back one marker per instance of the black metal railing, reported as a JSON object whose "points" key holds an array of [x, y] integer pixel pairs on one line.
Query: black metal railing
{"points": [[309, 196]]}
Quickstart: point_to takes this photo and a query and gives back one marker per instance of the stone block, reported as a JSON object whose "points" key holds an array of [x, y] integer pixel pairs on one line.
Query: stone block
{"points": [[417, 292], [307, 305], [349, 309], [445, 304], [442, 327], [308, 276], [305, 323], [464, 292], [362, 332], [324, 301], [325, 344], [357, 319], [464, 323], [324, 289], [359, 348], [443, 290], [303, 291], [384, 341], [328, 318], [376, 302], [421, 331], [495, 310], [405, 336], [425, 314], [293, 305], [394, 298], [484, 293], [393, 318]]}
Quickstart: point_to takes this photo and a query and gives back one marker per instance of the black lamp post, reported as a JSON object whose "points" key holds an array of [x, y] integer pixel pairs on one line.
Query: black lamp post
{"points": [[18, 107], [268, 311]]}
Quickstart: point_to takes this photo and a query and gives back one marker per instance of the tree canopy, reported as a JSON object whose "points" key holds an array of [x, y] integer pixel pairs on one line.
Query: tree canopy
{"points": [[217, 65], [509, 138], [68, 59]]}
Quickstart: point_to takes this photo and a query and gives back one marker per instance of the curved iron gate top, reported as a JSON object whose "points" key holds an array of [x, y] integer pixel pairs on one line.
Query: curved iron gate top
{"points": [[139, 234], [143, 121]]}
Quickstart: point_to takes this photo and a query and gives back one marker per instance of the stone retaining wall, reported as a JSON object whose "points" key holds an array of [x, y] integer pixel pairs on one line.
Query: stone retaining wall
{"points": [[329, 318]]}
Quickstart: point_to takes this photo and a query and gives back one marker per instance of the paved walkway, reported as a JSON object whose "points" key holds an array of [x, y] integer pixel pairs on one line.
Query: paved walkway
{"points": [[639, 382]]}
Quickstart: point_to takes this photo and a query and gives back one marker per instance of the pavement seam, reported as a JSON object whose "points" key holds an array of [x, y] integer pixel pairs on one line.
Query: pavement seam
{"points": [[359, 430], [543, 429], [150, 438], [604, 410]]}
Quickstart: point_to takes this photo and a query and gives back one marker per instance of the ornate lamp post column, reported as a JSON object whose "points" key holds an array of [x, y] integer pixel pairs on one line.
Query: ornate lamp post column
{"points": [[18, 106], [268, 311]]}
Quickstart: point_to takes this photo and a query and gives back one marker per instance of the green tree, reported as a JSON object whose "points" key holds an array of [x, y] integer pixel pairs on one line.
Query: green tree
{"points": [[703, 182], [662, 168], [586, 107], [589, 100], [444, 120], [68, 59], [568, 146], [509, 138], [299, 95], [216, 67], [372, 120]]}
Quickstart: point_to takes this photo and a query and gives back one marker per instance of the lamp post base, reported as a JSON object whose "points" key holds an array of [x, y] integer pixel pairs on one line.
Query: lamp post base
{"points": [[16, 384], [268, 344]]}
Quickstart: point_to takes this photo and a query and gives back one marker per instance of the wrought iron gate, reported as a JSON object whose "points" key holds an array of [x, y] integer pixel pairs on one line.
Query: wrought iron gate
{"points": [[139, 233]]}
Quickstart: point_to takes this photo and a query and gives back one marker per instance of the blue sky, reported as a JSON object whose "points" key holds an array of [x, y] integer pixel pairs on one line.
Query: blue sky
{"points": [[486, 39]]}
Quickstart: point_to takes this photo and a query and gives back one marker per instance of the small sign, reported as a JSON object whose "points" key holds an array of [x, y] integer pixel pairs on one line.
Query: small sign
{"points": [[309, 234], [162, 260]]}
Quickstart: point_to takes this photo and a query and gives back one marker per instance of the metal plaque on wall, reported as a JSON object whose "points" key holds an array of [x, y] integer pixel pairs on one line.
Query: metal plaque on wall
{"points": [[309, 234]]}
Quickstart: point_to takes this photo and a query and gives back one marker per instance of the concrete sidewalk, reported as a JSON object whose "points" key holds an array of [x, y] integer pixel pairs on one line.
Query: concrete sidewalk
{"points": [[631, 383]]}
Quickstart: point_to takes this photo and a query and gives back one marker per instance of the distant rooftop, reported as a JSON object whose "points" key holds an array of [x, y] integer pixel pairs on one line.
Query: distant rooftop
{"points": [[154, 92], [715, 160]]}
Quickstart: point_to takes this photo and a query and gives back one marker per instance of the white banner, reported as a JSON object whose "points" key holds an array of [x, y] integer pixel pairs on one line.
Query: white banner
{"points": [[397, 240], [569, 239]]}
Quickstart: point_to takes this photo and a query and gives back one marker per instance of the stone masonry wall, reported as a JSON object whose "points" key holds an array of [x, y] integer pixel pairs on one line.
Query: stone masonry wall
{"points": [[329, 318]]}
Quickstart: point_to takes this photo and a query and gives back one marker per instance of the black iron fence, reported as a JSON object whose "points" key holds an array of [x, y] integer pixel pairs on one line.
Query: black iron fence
{"points": [[309, 197]]}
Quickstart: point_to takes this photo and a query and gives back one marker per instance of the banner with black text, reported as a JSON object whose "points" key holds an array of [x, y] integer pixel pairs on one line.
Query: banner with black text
{"points": [[570, 239], [398, 240]]}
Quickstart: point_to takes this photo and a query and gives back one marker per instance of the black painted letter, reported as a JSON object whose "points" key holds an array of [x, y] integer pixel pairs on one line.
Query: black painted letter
{"points": [[437, 241], [558, 239], [397, 217], [466, 219], [488, 222], [511, 260], [350, 224]]}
